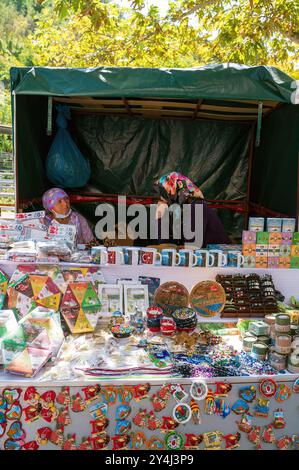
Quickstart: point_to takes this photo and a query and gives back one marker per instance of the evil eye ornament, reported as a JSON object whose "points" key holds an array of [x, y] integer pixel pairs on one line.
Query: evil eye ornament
{"points": [[182, 413], [198, 390], [268, 388]]}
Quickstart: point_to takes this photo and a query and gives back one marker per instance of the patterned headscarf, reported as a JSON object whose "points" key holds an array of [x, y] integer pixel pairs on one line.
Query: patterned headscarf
{"points": [[177, 188], [52, 196]]}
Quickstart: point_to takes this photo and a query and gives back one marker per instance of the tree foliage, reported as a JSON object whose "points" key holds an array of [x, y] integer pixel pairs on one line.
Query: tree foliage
{"points": [[86, 33]]}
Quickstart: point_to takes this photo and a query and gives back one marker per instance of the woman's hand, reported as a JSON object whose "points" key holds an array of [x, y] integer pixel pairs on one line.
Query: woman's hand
{"points": [[161, 208]]}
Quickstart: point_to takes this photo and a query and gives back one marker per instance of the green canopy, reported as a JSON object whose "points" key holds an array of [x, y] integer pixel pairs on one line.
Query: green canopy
{"points": [[134, 124]]}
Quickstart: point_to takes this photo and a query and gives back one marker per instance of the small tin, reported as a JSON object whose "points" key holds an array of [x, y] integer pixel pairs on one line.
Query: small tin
{"points": [[259, 328], [295, 342], [274, 224], [294, 330], [277, 361], [248, 342], [282, 323], [256, 224], [265, 339], [293, 362], [270, 319], [259, 351], [288, 225]]}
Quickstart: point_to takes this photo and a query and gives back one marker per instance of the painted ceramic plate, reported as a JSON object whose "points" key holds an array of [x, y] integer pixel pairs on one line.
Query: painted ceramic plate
{"points": [[170, 296], [207, 298]]}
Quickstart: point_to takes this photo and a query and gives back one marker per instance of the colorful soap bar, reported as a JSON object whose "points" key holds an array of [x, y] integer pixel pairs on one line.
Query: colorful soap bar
{"points": [[249, 249], [275, 238], [284, 262], [295, 250], [249, 262], [248, 237], [262, 237], [295, 240], [285, 250], [286, 238], [273, 262], [295, 262], [261, 262], [261, 250], [288, 225], [273, 250]]}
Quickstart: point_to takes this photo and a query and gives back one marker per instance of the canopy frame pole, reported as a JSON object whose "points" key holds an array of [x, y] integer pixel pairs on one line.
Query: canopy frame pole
{"points": [[297, 201], [249, 174]]}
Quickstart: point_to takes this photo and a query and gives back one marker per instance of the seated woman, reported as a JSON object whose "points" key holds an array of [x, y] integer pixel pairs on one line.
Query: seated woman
{"points": [[58, 210], [175, 188]]}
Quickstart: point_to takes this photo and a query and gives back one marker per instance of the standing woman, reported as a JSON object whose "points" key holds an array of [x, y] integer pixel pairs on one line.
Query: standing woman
{"points": [[175, 188], [58, 211]]}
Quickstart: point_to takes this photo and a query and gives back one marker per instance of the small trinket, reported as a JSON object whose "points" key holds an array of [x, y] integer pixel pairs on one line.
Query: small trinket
{"points": [[155, 444], [99, 425], [169, 424], [70, 442], [122, 412], [240, 407], [209, 408], [232, 441], [178, 393], [138, 440], [195, 410], [141, 391], [198, 390], [245, 424], [182, 413], [174, 441], [212, 440], [255, 436], [284, 443], [247, 393], [91, 393], [283, 393], [16, 432], [122, 427], [268, 434], [140, 419], [279, 421], [86, 444], [43, 435], [193, 441], [101, 441], [261, 409], [153, 422], [63, 397], [268, 388], [222, 389], [120, 442]]}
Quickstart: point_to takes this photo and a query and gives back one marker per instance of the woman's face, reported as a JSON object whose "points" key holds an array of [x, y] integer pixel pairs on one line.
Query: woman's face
{"points": [[62, 206]]}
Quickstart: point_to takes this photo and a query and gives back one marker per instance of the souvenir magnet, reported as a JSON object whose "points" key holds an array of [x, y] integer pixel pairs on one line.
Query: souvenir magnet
{"points": [[268, 435], [268, 388], [14, 412], [11, 394], [138, 440], [153, 422], [32, 412], [43, 435], [63, 397], [122, 412], [91, 393], [245, 423], [222, 389], [125, 395], [31, 396], [49, 414], [279, 421], [99, 425], [9, 444], [195, 410], [2, 427], [16, 432], [192, 441], [78, 404], [120, 442], [155, 444], [212, 440], [255, 436], [169, 424], [209, 408], [70, 442], [232, 441], [198, 390], [164, 392], [86, 444], [178, 393], [57, 436], [63, 417], [100, 442], [296, 386], [141, 391], [47, 400], [110, 395], [261, 409], [174, 441], [240, 407], [247, 393], [122, 427], [295, 440], [98, 410], [140, 419], [32, 445], [283, 393], [182, 413], [3, 404], [158, 403], [284, 443]]}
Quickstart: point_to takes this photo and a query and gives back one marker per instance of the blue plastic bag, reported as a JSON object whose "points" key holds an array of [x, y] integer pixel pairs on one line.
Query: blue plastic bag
{"points": [[65, 165]]}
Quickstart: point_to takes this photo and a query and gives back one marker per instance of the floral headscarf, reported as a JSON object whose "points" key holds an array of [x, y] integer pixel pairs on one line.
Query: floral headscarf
{"points": [[177, 188], [52, 196]]}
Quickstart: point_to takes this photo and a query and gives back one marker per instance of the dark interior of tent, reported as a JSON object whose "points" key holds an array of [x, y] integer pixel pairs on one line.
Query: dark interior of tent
{"points": [[243, 154]]}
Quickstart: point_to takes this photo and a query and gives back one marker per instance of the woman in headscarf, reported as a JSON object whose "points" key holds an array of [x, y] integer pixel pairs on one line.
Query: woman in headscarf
{"points": [[58, 210], [175, 188]]}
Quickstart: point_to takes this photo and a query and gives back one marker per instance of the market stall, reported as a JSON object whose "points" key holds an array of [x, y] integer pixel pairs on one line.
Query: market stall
{"points": [[150, 353]]}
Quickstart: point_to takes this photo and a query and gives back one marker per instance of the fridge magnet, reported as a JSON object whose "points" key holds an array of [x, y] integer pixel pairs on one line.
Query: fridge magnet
{"points": [[100, 442], [212, 440], [110, 395], [141, 391], [47, 400], [169, 424], [14, 412], [192, 441], [247, 393], [32, 412], [43, 435], [178, 393], [283, 393], [120, 442], [122, 427], [78, 404], [195, 410], [296, 386], [9, 444], [209, 408], [3, 404], [63, 397], [279, 421], [16, 432], [284, 443], [198, 390], [32, 445], [240, 407], [86, 444], [91, 393], [164, 392], [70, 442], [268, 388], [48, 414], [138, 440], [140, 419], [32, 396], [63, 417], [245, 423], [153, 423], [221, 407], [154, 443], [261, 409], [3, 424], [57, 436], [174, 441], [158, 403], [222, 389], [268, 435], [11, 395], [295, 440], [182, 413], [232, 441], [122, 412], [254, 436], [98, 410]]}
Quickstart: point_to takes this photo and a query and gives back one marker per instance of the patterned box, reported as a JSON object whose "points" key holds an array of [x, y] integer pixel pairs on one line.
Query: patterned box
{"points": [[274, 250], [288, 225], [262, 238], [295, 262], [249, 249], [261, 262], [295, 251], [248, 237], [273, 262], [261, 250], [285, 262], [285, 250], [274, 224], [295, 240], [249, 262], [275, 238], [286, 238], [256, 224]]}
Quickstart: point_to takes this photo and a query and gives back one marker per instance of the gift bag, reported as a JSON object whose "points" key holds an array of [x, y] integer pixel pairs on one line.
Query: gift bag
{"points": [[65, 165]]}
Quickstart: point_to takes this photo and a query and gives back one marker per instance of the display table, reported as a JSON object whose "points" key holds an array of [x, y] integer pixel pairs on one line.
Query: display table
{"points": [[286, 280]]}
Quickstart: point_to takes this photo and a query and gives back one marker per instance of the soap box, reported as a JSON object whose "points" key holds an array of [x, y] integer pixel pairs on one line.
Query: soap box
{"points": [[288, 225], [249, 262], [261, 250], [284, 262], [273, 250], [256, 224], [294, 250], [249, 249], [295, 238], [295, 262], [275, 238], [273, 262], [285, 250], [274, 224], [262, 237], [286, 238], [248, 237], [261, 262]]}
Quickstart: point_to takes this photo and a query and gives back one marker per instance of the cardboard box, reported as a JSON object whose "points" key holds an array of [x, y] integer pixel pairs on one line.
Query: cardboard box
{"points": [[249, 249], [294, 250], [295, 240], [274, 224], [284, 262], [248, 237], [285, 250], [273, 250], [275, 238], [273, 262], [256, 224], [262, 238], [286, 238], [249, 262], [261, 250], [295, 262], [261, 262], [288, 225]]}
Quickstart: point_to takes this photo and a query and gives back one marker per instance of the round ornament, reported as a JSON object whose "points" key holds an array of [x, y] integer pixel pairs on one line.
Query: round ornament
{"points": [[182, 413], [208, 298], [170, 296], [268, 388], [174, 441], [198, 390]]}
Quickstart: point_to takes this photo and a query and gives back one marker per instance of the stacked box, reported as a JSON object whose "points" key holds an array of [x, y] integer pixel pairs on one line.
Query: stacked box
{"points": [[275, 238], [273, 250], [288, 225], [295, 240], [261, 250], [284, 262], [249, 262], [285, 250], [256, 224], [295, 262], [274, 224], [249, 249], [261, 262], [286, 238], [273, 262], [248, 237], [294, 250], [262, 238]]}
